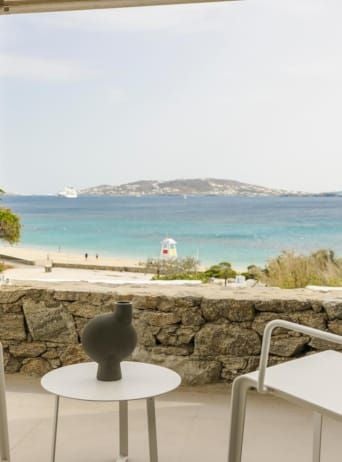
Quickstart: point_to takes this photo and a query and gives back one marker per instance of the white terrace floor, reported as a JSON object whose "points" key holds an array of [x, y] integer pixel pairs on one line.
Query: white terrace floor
{"points": [[192, 427]]}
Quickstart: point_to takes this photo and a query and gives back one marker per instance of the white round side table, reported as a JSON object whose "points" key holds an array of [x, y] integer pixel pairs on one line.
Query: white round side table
{"points": [[139, 381]]}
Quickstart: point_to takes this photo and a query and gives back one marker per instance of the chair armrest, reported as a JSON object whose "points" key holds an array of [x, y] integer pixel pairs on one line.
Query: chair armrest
{"points": [[266, 341]]}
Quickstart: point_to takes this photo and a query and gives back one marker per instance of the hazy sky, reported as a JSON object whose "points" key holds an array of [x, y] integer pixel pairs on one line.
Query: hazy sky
{"points": [[247, 90]]}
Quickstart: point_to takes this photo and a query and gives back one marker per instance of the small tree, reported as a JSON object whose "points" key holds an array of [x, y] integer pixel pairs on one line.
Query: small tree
{"points": [[223, 270], [9, 225]]}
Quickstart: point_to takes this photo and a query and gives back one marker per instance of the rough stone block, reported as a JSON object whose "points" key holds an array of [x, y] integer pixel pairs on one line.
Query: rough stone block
{"points": [[160, 319], [101, 299], [192, 371], [335, 326], [212, 308], [11, 296], [35, 367], [252, 364], [166, 304], [264, 318], [218, 339], [86, 310], [239, 310], [146, 302], [144, 333], [51, 324], [52, 353], [40, 295], [308, 318], [70, 296], [229, 374], [80, 324], [12, 327], [321, 345], [191, 316], [274, 306], [175, 335], [186, 334], [185, 350], [234, 363], [74, 354], [141, 354], [316, 306], [233, 310], [273, 360], [282, 306], [11, 308], [12, 365], [232, 366], [141, 302], [54, 363], [288, 346], [27, 350], [91, 298], [188, 302], [333, 308], [195, 372]]}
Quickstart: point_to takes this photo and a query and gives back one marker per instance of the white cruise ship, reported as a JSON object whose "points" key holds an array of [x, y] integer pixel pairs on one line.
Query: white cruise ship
{"points": [[68, 192]]}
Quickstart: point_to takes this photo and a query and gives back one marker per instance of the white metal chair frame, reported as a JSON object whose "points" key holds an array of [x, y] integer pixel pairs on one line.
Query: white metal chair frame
{"points": [[243, 384], [4, 439]]}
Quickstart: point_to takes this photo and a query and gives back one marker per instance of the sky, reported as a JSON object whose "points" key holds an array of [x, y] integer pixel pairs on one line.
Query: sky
{"points": [[248, 90]]}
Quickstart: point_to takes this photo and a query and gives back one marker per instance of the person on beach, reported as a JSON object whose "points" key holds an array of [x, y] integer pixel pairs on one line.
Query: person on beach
{"points": [[97, 256], [86, 256]]}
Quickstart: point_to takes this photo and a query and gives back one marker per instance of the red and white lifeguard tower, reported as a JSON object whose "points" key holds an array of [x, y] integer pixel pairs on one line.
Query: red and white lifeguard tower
{"points": [[168, 248]]}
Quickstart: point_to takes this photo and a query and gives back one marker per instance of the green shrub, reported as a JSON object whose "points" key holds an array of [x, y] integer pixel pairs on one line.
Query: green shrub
{"points": [[9, 225], [290, 270]]}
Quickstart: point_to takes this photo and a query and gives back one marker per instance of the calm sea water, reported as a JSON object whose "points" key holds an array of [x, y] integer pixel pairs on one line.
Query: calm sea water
{"points": [[240, 230]]}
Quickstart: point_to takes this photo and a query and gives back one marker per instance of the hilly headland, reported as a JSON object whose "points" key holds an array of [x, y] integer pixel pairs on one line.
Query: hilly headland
{"points": [[193, 187]]}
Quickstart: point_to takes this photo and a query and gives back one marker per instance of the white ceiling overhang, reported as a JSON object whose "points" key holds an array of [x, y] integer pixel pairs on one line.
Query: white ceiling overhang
{"points": [[40, 6]]}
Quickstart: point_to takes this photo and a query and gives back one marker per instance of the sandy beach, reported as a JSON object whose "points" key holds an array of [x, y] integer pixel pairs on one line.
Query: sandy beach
{"points": [[40, 256], [90, 270]]}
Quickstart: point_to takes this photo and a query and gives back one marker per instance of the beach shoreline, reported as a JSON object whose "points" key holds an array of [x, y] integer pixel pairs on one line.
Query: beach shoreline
{"points": [[41, 256]]}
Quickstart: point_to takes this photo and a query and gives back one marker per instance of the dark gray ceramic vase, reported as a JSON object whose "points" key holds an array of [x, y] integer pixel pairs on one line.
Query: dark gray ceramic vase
{"points": [[108, 339]]}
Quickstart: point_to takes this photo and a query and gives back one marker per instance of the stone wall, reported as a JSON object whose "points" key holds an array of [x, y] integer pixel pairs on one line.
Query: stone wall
{"points": [[204, 339]]}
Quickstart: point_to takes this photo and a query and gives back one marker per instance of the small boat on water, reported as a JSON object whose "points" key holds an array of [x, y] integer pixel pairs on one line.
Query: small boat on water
{"points": [[68, 192]]}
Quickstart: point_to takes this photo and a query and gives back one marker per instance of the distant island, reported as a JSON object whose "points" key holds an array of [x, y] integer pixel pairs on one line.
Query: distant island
{"points": [[191, 187]]}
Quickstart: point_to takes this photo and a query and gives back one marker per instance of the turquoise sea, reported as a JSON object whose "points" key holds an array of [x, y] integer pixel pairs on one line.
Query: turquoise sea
{"points": [[240, 230]]}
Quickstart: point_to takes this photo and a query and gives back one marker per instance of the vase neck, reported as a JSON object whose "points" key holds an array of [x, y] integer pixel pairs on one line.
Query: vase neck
{"points": [[123, 312]]}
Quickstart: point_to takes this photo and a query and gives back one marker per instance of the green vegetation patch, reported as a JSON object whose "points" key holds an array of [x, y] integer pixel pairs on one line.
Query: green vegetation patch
{"points": [[290, 270], [9, 225]]}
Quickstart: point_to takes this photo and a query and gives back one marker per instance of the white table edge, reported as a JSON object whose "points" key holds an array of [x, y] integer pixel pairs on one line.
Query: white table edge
{"points": [[179, 381]]}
